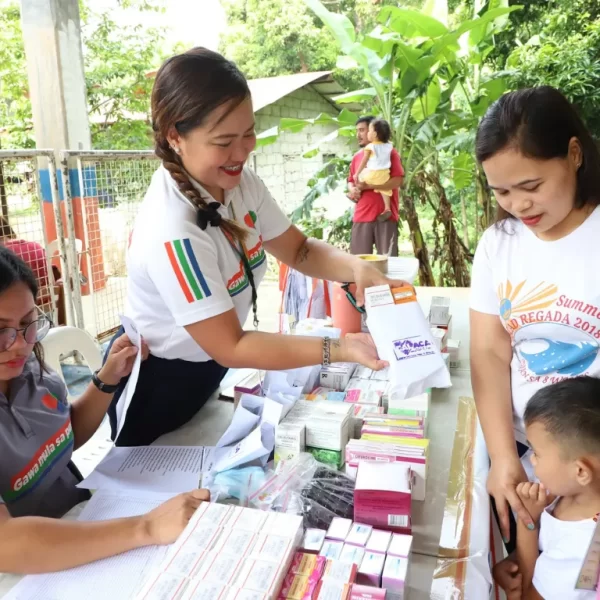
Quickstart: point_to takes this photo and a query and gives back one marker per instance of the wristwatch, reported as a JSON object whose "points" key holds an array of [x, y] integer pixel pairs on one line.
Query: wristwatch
{"points": [[103, 387]]}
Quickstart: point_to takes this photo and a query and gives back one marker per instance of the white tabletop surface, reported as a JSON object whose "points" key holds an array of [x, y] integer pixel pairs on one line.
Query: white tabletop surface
{"points": [[208, 425]]}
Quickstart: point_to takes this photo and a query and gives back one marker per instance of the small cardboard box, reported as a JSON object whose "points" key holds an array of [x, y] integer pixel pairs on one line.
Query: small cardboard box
{"points": [[439, 311], [336, 376], [290, 440]]}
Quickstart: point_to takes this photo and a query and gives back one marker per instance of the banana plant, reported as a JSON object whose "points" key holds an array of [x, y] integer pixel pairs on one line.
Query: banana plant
{"points": [[429, 81]]}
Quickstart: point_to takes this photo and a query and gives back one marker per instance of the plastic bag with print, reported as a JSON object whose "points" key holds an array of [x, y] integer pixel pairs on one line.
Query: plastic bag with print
{"points": [[403, 338]]}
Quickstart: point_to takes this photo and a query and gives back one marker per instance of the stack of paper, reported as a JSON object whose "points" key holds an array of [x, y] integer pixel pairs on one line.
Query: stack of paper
{"points": [[228, 552], [382, 496], [148, 468]]}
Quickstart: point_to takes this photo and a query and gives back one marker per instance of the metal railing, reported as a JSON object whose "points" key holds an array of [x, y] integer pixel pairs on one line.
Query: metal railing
{"points": [[32, 225], [94, 198], [111, 186]]}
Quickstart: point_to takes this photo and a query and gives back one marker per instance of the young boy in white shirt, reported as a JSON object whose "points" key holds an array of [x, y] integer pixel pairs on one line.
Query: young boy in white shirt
{"points": [[563, 429], [377, 161]]}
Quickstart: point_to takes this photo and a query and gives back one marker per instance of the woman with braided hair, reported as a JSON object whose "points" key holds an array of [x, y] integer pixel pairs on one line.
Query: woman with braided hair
{"points": [[197, 253]]}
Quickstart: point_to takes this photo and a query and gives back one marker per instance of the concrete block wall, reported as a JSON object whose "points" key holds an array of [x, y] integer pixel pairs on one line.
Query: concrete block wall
{"points": [[281, 165]]}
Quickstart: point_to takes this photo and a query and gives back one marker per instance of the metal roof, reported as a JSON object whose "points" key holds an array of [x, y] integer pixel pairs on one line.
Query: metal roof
{"points": [[268, 90]]}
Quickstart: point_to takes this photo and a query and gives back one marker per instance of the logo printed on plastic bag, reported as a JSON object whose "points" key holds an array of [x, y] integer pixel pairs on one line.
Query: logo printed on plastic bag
{"points": [[413, 347]]}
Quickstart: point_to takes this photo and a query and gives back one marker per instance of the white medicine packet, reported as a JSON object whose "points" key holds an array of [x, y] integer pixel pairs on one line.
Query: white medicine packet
{"points": [[403, 338]]}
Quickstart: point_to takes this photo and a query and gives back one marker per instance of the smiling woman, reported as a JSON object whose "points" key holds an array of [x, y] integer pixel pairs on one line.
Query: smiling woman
{"points": [[198, 253], [544, 168]]}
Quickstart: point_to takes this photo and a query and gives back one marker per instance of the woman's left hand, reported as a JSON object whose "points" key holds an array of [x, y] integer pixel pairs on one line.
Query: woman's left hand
{"points": [[119, 362], [366, 275]]}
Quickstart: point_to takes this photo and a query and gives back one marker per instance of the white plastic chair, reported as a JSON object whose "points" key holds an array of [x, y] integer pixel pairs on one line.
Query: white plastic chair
{"points": [[53, 249], [62, 341]]}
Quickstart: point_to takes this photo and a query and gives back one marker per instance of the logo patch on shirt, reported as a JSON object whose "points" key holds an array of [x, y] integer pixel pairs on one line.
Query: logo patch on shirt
{"points": [[50, 401], [44, 459], [187, 270]]}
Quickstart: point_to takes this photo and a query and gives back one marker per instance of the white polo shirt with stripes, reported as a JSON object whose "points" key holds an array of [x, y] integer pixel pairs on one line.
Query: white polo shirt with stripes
{"points": [[179, 274]]}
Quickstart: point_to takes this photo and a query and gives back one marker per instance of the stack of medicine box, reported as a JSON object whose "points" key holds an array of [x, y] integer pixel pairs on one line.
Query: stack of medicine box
{"points": [[228, 552], [362, 556], [325, 426], [366, 391], [440, 320], [399, 436]]}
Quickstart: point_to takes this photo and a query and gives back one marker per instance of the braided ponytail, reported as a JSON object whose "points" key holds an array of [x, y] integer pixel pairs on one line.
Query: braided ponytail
{"points": [[187, 89]]}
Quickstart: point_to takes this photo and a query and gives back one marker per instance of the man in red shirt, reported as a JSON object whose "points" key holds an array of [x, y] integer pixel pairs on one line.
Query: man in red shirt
{"points": [[366, 229]]}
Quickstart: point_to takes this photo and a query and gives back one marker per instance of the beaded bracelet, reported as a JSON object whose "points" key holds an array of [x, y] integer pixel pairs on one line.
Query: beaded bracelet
{"points": [[326, 352]]}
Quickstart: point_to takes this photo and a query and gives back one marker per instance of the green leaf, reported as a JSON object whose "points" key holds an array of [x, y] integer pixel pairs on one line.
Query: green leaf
{"points": [[338, 24], [478, 23], [411, 23], [267, 137], [294, 125], [427, 104], [356, 96], [438, 9], [463, 170], [313, 150], [408, 81], [347, 117], [493, 20], [346, 62], [409, 53]]}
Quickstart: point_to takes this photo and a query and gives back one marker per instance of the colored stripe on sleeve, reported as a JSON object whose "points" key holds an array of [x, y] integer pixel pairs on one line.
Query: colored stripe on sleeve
{"points": [[186, 269], [185, 265], [180, 278], [196, 267]]}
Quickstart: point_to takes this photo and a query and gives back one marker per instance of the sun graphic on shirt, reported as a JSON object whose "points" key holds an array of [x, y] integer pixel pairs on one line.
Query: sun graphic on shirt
{"points": [[516, 300]]}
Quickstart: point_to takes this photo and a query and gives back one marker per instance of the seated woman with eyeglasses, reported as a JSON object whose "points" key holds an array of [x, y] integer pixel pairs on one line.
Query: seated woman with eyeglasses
{"points": [[39, 431]]}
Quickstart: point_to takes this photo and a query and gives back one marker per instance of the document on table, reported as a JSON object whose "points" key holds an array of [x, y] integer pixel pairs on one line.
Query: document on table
{"points": [[171, 469], [119, 577], [126, 396]]}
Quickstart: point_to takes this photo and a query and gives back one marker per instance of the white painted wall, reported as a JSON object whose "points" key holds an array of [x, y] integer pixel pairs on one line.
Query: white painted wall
{"points": [[281, 166]]}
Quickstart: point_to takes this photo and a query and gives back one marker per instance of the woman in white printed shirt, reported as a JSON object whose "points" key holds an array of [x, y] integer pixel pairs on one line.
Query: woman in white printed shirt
{"points": [[535, 304], [197, 253]]}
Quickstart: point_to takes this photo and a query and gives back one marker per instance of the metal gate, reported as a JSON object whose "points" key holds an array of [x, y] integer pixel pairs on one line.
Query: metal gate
{"points": [[105, 199], [31, 225]]}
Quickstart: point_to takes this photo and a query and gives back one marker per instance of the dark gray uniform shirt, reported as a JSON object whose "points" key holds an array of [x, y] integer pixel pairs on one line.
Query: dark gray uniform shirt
{"points": [[36, 444]]}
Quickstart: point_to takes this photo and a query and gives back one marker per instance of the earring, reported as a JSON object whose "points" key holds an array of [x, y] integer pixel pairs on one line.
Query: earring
{"points": [[176, 150]]}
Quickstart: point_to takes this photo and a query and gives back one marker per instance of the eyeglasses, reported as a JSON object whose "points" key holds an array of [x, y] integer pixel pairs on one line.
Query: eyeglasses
{"points": [[352, 299], [35, 332]]}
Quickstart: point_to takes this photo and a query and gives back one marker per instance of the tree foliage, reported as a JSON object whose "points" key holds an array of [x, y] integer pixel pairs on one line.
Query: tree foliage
{"points": [[15, 108], [117, 58], [266, 38]]}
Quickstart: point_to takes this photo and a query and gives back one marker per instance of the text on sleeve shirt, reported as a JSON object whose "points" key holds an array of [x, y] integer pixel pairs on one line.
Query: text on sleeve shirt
{"points": [[179, 274], [547, 296]]}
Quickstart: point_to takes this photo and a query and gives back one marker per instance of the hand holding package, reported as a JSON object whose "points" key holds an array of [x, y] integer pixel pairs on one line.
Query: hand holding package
{"points": [[403, 338]]}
